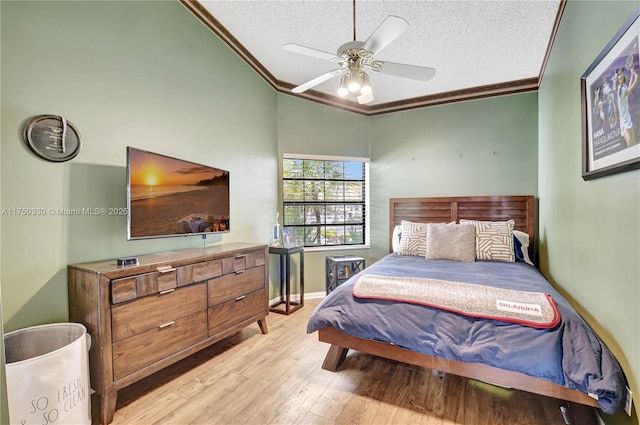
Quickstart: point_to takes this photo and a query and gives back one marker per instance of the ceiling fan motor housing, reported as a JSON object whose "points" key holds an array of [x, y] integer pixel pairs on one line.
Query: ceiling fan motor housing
{"points": [[350, 45], [355, 56]]}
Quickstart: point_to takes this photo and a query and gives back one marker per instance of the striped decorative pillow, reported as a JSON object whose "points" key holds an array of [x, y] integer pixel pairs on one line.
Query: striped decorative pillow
{"points": [[413, 239], [494, 239]]}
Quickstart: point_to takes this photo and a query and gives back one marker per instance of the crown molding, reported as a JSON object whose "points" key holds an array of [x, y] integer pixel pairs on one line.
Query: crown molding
{"points": [[492, 90]]}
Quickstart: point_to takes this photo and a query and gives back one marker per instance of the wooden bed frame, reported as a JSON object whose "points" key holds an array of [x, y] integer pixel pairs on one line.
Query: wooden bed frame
{"points": [[578, 407]]}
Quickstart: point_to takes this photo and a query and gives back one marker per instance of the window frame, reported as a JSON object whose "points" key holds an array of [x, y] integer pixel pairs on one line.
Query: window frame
{"points": [[365, 203]]}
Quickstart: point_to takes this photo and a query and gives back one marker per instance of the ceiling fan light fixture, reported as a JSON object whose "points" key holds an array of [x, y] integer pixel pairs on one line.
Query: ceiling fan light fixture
{"points": [[365, 87], [365, 98], [354, 81], [344, 83]]}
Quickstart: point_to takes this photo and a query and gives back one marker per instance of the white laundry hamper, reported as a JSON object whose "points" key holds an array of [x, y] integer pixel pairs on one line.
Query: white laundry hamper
{"points": [[47, 371]]}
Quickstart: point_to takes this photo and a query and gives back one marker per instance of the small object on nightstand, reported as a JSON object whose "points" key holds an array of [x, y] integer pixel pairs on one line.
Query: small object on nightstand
{"points": [[276, 232], [288, 237], [340, 268], [285, 279]]}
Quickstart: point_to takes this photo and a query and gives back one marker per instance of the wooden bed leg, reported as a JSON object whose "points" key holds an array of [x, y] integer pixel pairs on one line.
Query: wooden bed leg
{"points": [[577, 414], [334, 358]]}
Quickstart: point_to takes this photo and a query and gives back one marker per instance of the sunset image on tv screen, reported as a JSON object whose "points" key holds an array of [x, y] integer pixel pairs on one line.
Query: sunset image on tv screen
{"points": [[170, 196]]}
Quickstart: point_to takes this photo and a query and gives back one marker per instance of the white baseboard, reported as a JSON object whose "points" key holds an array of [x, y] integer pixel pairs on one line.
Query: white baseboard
{"points": [[315, 295], [296, 297]]}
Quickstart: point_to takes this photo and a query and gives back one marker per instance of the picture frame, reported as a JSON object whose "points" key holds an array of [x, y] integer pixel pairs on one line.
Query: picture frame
{"points": [[610, 102], [288, 237]]}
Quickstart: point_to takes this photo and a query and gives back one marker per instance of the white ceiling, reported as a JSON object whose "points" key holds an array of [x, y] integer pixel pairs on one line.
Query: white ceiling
{"points": [[478, 48]]}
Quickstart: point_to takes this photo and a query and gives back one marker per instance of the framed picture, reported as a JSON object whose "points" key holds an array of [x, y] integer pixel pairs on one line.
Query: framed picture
{"points": [[288, 237], [610, 99]]}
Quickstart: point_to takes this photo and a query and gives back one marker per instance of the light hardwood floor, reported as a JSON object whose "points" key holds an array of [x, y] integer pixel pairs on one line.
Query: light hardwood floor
{"points": [[276, 378]]}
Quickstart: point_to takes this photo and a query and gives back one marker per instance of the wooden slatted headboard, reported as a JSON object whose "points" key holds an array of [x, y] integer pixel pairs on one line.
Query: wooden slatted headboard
{"points": [[448, 209]]}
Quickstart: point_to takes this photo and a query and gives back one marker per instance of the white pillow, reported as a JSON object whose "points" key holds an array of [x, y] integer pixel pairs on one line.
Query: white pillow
{"points": [[395, 238], [524, 240]]}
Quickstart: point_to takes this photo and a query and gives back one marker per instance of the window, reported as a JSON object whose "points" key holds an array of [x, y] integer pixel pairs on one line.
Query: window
{"points": [[325, 200]]}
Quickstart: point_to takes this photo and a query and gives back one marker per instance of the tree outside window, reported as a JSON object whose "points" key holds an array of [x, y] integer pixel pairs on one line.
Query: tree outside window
{"points": [[324, 201]]}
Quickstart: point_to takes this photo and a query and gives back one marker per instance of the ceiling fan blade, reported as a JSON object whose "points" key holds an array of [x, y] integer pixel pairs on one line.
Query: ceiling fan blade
{"points": [[387, 31], [321, 79], [308, 51], [413, 72]]}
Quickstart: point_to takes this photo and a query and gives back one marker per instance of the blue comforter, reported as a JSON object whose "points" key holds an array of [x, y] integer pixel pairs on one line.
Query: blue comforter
{"points": [[569, 354]]}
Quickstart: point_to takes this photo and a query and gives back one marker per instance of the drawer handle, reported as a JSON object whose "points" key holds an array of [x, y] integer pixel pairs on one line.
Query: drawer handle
{"points": [[167, 291], [165, 269], [241, 298], [239, 256], [166, 325], [239, 271]]}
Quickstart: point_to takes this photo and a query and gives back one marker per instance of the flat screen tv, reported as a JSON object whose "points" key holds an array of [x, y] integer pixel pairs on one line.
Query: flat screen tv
{"points": [[172, 197]]}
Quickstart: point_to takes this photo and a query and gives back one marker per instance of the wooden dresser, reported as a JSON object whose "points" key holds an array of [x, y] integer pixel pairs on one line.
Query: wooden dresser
{"points": [[145, 317]]}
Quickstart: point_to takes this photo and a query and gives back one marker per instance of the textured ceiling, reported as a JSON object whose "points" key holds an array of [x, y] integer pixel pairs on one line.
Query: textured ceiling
{"points": [[478, 48]]}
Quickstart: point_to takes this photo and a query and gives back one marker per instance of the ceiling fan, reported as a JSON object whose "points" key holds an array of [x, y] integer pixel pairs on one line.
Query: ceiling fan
{"points": [[354, 57]]}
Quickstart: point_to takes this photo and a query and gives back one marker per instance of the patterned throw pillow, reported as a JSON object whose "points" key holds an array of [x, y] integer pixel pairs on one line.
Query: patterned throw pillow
{"points": [[413, 239], [494, 239]]}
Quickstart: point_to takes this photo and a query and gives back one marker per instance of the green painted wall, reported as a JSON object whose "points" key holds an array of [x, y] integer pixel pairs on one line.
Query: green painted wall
{"points": [[589, 231], [4, 417], [313, 129], [143, 74], [481, 147]]}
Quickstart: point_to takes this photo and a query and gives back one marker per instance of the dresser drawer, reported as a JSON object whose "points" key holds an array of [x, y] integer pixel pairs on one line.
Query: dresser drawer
{"points": [[133, 318], [129, 288], [124, 289], [233, 285], [242, 262], [138, 351], [227, 314], [199, 272]]}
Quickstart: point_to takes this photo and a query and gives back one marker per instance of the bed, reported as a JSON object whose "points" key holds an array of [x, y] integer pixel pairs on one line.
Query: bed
{"points": [[564, 360]]}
